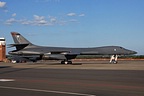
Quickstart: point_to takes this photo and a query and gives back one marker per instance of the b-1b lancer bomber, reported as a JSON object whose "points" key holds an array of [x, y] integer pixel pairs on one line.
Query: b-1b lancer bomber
{"points": [[26, 49]]}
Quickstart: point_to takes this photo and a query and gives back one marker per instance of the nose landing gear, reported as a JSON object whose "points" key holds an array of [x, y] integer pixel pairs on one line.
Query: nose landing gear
{"points": [[113, 59]]}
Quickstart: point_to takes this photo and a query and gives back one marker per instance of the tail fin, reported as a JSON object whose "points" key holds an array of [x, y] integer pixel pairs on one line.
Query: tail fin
{"points": [[20, 41]]}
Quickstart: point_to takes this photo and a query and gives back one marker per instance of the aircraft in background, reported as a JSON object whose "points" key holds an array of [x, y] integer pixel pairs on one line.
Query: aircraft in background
{"points": [[26, 49]]}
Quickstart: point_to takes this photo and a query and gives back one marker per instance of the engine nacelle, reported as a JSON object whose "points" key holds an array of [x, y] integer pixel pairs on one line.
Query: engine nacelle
{"points": [[54, 57]]}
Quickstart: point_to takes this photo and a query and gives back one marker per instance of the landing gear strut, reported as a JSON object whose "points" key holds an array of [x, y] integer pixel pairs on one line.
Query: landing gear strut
{"points": [[66, 62], [114, 59]]}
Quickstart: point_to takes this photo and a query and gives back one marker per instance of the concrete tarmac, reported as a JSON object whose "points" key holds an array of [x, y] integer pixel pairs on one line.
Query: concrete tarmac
{"points": [[84, 78]]}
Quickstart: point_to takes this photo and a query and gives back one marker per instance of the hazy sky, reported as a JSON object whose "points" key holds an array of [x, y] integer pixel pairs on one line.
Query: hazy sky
{"points": [[75, 23]]}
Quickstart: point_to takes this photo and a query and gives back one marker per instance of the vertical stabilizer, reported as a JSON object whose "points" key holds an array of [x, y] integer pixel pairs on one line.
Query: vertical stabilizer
{"points": [[19, 39]]}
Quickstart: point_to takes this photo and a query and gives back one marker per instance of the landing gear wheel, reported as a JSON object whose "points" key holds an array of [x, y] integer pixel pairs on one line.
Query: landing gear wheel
{"points": [[115, 62], [62, 62], [66, 62], [69, 62]]}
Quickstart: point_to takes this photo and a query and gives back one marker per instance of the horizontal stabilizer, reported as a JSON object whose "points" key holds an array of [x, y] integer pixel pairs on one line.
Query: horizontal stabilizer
{"points": [[18, 46]]}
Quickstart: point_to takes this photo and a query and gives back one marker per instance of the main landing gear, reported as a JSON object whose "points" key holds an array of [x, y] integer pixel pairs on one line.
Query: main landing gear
{"points": [[66, 62]]}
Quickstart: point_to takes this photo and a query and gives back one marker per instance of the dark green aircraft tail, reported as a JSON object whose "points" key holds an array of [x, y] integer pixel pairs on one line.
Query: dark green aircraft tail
{"points": [[20, 41]]}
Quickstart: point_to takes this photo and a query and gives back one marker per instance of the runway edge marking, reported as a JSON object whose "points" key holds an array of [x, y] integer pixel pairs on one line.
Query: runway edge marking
{"points": [[6, 80], [48, 91]]}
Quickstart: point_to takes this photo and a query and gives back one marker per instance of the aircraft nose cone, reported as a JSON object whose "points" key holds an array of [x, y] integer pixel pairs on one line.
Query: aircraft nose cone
{"points": [[133, 52]]}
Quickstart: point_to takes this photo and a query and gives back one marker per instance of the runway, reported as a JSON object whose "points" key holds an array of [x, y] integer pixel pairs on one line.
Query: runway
{"points": [[48, 79]]}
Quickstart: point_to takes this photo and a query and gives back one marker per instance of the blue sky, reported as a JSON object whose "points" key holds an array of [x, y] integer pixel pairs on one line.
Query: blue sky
{"points": [[75, 23]]}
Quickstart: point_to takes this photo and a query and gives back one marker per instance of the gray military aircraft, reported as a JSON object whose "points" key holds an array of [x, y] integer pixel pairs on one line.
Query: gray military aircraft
{"points": [[26, 49]]}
